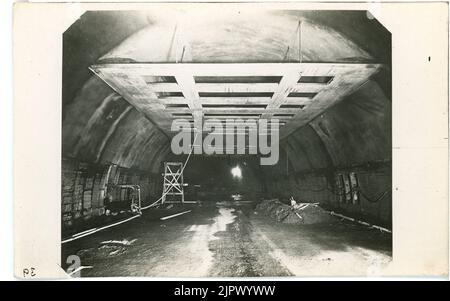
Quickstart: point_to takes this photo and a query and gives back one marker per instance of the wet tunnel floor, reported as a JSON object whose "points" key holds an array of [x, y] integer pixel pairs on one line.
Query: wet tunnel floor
{"points": [[229, 240]]}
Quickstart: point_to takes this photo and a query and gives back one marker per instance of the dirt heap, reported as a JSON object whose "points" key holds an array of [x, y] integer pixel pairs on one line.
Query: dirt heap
{"points": [[301, 213]]}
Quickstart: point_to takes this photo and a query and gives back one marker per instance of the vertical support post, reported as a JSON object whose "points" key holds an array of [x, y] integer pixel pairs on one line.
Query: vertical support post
{"points": [[300, 41]]}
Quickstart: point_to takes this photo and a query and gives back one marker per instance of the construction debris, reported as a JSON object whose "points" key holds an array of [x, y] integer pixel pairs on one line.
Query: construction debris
{"points": [[305, 213], [297, 213], [119, 242]]}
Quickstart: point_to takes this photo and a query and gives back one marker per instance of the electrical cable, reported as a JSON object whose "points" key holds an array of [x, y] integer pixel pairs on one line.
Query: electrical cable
{"points": [[379, 198], [369, 199]]}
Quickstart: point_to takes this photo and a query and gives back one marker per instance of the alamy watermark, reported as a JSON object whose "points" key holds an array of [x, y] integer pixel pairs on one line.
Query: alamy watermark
{"points": [[228, 136]]}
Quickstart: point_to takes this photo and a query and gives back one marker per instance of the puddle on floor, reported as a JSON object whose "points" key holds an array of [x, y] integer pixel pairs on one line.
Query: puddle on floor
{"points": [[203, 234]]}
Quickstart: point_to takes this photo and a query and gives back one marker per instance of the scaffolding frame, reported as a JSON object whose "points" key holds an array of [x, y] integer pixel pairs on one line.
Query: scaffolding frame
{"points": [[173, 184]]}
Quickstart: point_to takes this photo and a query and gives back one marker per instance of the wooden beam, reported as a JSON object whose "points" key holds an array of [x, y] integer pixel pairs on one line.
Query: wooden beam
{"points": [[308, 87], [233, 110], [187, 86], [237, 88], [298, 101], [283, 90], [220, 100], [225, 69], [216, 87]]}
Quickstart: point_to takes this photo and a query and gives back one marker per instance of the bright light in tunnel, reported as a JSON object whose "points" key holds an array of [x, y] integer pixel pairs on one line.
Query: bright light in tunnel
{"points": [[236, 172]]}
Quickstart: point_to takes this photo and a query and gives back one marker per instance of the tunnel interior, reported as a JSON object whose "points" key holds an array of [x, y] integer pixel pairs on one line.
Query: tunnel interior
{"points": [[336, 153]]}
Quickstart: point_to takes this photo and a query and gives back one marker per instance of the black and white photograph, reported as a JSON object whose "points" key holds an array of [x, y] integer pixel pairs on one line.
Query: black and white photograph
{"points": [[221, 141], [224, 149]]}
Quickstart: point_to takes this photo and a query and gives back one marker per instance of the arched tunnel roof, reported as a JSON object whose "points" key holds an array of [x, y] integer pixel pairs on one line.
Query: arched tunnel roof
{"points": [[100, 125], [206, 36]]}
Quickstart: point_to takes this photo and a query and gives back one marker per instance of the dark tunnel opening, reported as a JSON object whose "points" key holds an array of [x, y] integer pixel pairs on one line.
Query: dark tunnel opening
{"points": [[212, 178]]}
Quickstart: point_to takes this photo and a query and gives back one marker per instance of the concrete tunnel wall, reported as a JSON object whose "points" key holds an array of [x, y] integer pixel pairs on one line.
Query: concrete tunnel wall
{"points": [[352, 136], [106, 141]]}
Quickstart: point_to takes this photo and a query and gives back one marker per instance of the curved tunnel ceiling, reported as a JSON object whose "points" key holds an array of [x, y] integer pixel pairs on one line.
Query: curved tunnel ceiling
{"points": [[99, 126], [235, 36]]}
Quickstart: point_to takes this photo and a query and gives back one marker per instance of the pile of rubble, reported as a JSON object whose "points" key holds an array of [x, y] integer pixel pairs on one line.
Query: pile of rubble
{"points": [[296, 213]]}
